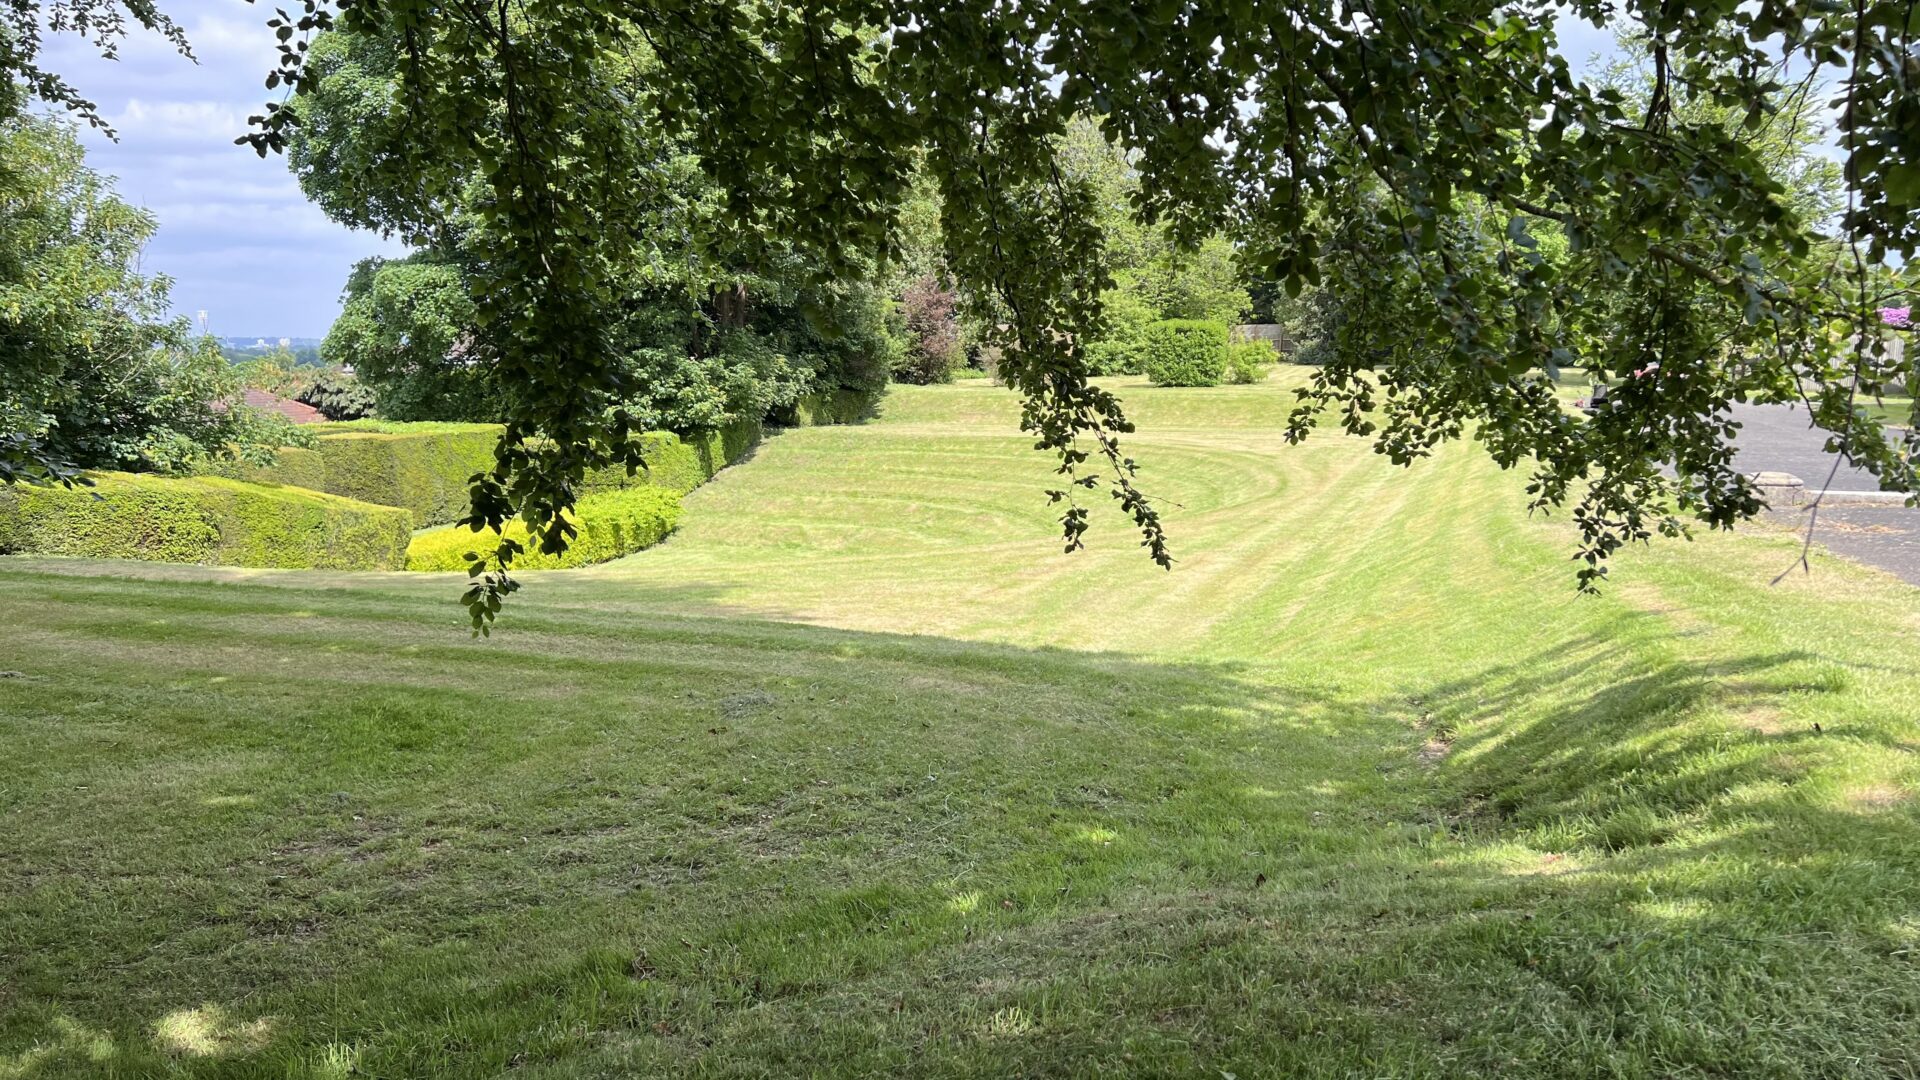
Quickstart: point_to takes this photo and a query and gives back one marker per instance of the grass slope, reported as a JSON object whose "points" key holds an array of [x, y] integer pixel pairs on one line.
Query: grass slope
{"points": [[858, 775]]}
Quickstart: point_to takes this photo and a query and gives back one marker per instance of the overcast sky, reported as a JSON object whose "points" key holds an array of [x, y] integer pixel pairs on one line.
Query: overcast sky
{"points": [[236, 235]]}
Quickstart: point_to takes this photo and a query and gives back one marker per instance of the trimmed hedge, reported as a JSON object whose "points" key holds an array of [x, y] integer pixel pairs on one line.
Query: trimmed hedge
{"points": [[203, 519], [842, 406], [426, 467], [618, 514], [1185, 352], [676, 464], [423, 467], [291, 466], [426, 472], [611, 524]]}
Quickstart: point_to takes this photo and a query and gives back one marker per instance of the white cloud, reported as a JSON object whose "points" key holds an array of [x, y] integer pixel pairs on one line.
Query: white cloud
{"points": [[235, 233], [190, 121]]}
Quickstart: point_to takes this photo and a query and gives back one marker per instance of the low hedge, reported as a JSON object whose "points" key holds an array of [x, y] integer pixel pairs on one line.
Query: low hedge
{"points": [[679, 464], [611, 524], [423, 467], [827, 407], [203, 519], [426, 466], [1185, 352]]}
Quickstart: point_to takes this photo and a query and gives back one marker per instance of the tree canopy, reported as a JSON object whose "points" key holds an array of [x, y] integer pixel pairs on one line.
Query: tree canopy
{"points": [[1424, 152], [701, 324]]}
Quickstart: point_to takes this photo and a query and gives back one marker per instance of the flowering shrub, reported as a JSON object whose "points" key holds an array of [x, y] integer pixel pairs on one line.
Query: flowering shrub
{"points": [[1901, 317]]}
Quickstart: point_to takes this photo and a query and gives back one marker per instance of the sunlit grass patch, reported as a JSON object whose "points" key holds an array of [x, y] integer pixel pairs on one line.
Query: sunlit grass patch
{"points": [[857, 774]]}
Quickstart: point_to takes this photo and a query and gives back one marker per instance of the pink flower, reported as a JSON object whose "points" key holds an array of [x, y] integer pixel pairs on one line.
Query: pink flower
{"points": [[1897, 316]]}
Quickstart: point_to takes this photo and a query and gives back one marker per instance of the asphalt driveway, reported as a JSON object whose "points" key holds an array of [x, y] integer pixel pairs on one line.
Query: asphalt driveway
{"points": [[1778, 438]]}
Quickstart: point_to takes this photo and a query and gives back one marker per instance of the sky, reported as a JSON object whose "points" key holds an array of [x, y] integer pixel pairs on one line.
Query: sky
{"points": [[236, 235]]}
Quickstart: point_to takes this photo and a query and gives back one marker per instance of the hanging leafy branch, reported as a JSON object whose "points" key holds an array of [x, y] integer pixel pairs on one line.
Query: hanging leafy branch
{"points": [[103, 24], [1434, 164]]}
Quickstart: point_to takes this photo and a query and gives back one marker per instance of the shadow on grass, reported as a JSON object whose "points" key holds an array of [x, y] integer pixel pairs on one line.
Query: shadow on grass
{"points": [[628, 840], [1708, 867]]}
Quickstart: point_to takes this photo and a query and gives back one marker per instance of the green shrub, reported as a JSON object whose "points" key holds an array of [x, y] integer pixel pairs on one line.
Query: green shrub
{"points": [[1185, 352], [203, 519], [1113, 357], [1247, 361], [611, 524]]}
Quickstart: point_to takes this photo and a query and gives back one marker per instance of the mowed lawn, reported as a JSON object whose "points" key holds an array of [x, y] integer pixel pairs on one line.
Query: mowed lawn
{"points": [[859, 775]]}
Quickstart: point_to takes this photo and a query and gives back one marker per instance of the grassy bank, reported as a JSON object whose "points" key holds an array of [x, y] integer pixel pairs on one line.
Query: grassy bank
{"points": [[857, 774]]}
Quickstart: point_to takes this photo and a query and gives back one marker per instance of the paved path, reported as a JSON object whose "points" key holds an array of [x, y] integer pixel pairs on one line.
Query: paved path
{"points": [[1777, 438]]}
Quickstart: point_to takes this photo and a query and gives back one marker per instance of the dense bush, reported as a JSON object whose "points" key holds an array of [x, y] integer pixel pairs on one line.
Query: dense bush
{"points": [[1247, 361], [1114, 356], [210, 520], [424, 467], [611, 524], [339, 395], [1185, 352]]}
